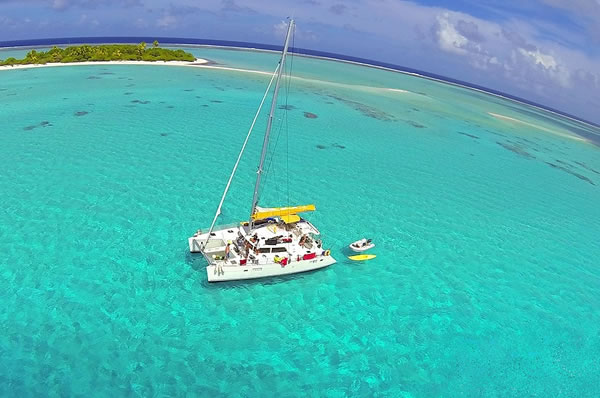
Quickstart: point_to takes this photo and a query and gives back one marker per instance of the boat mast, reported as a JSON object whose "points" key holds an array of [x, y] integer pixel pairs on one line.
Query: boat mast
{"points": [[218, 213], [270, 120]]}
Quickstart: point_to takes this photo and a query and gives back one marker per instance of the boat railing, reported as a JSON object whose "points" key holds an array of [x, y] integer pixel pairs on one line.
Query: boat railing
{"points": [[219, 227], [315, 230]]}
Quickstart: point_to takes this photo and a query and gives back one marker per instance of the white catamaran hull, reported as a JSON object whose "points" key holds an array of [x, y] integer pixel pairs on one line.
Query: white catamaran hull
{"points": [[254, 271]]}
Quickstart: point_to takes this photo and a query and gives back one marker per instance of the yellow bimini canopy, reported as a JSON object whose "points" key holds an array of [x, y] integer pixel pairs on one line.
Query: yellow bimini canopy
{"points": [[287, 214]]}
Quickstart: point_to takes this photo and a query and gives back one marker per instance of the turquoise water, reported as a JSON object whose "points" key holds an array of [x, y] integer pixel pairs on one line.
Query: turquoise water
{"points": [[486, 281]]}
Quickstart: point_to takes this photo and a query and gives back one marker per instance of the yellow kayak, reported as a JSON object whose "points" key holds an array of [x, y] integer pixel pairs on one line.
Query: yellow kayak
{"points": [[362, 257]]}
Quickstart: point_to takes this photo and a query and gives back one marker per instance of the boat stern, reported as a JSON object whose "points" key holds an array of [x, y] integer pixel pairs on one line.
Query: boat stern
{"points": [[195, 244]]}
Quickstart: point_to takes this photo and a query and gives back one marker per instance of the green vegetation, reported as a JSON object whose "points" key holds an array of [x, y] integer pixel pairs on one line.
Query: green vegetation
{"points": [[109, 52]]}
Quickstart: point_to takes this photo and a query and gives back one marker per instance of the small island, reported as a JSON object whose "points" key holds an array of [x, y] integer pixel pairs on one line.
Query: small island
{"points": [[105, 52]]}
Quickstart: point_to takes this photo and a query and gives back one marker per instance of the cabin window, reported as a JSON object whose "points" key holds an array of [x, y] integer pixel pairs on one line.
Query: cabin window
{"points": [[264, 250], [278, 249]]}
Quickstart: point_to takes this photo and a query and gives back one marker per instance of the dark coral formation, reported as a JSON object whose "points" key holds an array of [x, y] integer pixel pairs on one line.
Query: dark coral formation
{"points": [[366, 110], [44, 123], [516, 149], [81, 113], [335, 145], [585, 166], [566, 170], [287, 107], [216, 101], [94, 77], [415, 124], [136, 101], [468, 135], [310, 115], [495, 133]]}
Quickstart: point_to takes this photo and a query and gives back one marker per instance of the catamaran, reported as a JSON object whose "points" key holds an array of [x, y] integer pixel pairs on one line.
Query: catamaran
{"points": [[275, 240]]}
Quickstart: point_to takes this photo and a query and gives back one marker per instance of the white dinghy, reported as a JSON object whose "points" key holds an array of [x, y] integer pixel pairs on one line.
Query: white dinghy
{"points": [[362, 245]]}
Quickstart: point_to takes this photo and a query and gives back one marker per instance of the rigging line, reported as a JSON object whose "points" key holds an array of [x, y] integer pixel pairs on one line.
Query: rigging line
{"points": [[240, 155], [271, 163], [287, 160], [272, 147], [270, 170]]}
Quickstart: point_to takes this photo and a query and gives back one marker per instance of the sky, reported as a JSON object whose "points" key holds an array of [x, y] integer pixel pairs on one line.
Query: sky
{"points": [[546, 51]]}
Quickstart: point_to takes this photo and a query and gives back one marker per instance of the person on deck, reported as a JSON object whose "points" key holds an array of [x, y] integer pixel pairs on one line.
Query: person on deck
{"points": [[302, 240], [227, 252]]}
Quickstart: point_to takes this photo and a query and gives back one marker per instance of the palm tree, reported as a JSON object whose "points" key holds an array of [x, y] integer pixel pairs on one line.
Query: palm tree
{"points": [[55, 54], [142, 48], [32, 57], [155, 44]]}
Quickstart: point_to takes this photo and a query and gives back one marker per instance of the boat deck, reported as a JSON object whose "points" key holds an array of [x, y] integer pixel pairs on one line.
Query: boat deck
{"points": [[265, 243]]}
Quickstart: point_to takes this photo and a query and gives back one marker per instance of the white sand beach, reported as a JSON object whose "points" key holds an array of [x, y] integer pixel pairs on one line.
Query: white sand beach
{"points": [[398, 90], [197, 62], [521, 122]]}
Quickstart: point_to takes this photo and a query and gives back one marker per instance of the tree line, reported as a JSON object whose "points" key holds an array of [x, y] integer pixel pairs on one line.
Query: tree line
{"points": [[106, 52]]}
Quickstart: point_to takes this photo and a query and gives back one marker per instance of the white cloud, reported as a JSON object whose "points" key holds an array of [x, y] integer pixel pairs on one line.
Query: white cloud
{"points": [[85, 20], [280, 29], [60, 4], [449, 38], [549, 65], [489, 45], [6, 22], [166, 21], [141, 23], [545, 60]]}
